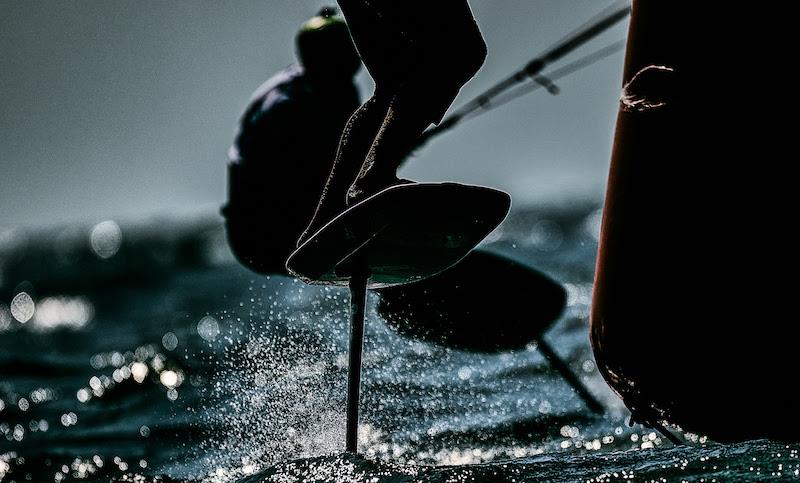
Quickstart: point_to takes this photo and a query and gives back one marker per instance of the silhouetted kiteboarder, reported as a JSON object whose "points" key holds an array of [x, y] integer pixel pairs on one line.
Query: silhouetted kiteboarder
{"points": [[286, 143], [289, 133], [419, 54], [291, 114], [368, 230]]}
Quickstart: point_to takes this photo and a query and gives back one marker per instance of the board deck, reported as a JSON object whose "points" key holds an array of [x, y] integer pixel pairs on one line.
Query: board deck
{"points": [[400, 235]]}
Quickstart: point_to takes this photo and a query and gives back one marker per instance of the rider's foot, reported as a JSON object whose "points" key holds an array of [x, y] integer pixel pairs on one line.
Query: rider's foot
{"points": [[359, 191], [329, 210]]}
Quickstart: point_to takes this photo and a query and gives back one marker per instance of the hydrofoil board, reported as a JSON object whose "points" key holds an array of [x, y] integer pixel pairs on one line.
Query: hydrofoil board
{"points": [[400, 235]]}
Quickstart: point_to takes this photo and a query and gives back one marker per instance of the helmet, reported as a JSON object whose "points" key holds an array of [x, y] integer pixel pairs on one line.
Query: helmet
{"points": [[324, 46]]}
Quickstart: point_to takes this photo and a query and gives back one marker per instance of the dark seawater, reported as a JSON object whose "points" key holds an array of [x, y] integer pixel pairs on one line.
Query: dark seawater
{"points": [[147, 354]]}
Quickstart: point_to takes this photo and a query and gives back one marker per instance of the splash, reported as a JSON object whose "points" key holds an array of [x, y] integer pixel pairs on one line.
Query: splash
{"points": [[280, 388]]}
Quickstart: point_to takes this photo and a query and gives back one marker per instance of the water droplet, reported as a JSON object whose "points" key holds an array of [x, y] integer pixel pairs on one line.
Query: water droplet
{"points": [[139, 371], [169, 378], [22, 307], [106, 238], [208, 328], [95, 383], [83, 395], [169, 341]]}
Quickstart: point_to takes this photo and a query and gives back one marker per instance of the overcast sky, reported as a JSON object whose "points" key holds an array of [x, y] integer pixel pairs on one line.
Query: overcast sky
{"points": [[125, 108]]}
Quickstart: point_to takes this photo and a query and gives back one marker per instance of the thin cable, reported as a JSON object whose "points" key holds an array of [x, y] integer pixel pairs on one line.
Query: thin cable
{"points": [[596, 19], [553, 76], [534, 67]]}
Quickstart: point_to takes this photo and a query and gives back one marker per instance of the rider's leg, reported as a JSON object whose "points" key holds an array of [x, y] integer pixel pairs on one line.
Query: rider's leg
{"points": [[444, 58], [419, 56], [404, 122], [357, 137]]}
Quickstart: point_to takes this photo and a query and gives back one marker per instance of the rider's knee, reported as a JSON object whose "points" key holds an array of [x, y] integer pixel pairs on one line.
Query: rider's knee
{"points": [[461, 56], [473, 54]]}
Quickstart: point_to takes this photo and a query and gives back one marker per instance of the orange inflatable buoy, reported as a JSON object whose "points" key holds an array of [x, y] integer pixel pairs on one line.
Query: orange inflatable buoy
{"points": [[691, 320]]}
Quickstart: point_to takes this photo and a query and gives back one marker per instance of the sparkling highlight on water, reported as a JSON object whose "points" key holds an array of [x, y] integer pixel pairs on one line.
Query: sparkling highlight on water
{"points": [[106, 239]]}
